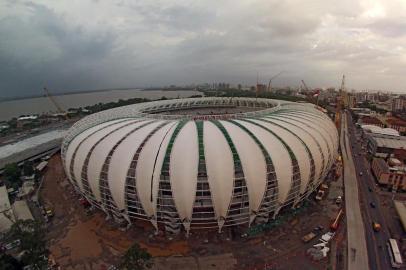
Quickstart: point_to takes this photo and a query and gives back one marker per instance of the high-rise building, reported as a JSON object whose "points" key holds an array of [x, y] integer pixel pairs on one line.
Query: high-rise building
{"points": [[398, 104]]}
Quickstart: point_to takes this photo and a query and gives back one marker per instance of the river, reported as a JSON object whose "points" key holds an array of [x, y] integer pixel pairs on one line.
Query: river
{"points": [[15, 108]]}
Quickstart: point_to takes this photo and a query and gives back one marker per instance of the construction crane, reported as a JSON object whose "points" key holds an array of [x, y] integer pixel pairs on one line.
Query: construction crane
{"points": [[311, 94], [57, 106], [270, 81], [305, 86]]}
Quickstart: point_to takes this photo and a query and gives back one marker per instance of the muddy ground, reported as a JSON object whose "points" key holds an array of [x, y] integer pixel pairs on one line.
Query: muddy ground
{"points": [[81, 240]]}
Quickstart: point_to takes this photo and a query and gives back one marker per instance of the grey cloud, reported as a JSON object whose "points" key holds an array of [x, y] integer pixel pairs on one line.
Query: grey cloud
{"points": [[143, 43]]}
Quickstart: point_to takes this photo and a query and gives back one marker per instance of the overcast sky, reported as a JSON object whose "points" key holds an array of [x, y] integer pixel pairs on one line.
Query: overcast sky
{"points": [[83, 44]]}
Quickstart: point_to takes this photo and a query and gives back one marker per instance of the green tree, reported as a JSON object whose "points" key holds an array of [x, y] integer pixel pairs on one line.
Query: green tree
{"points": [[12, 175], [32, 242], [8, 262], [136, 258], [28, 168]]}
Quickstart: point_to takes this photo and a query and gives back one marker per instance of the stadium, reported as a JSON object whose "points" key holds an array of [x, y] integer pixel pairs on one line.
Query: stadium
{"points": [[200, 163]]}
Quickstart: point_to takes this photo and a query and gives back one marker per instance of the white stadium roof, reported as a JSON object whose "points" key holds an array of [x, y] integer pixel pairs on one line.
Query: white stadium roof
{"points": [[144, 162]]}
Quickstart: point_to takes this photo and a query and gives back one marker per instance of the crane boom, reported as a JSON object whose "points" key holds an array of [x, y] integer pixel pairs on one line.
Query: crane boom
{"points": [[305, 86], [270, 81], [51, 98]]}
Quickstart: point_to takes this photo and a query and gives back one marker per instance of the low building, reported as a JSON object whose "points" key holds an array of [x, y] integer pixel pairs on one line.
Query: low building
{"points": [[27, 189], [396, 123], [379, 130], [369, 120], [31, 147], [398, 104], [261, 88], [381, 145], [391, 174], [6, 212], [400, 154], [22, 211]]}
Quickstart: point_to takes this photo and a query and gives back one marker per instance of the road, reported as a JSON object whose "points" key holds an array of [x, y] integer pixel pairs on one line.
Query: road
{"points": [[356, 244], [376, 241]]}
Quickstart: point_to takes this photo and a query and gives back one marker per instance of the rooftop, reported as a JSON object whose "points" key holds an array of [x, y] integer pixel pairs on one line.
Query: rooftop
{"points": [[10, 149], [22, 211], [379, 130], [388, 141], [6, 214]]}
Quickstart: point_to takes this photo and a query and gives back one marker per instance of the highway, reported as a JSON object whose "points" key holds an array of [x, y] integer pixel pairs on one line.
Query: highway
{"points": [[357, 257], [376, 241]]}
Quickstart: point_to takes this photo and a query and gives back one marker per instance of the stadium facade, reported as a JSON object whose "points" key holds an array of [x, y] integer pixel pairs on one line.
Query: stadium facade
{"points": [[200, 163]]}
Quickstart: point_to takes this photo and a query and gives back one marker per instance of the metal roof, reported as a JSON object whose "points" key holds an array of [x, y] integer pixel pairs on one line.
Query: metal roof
{"points": [[22, 211], [10, 149], [394, 142], [379, 130]]}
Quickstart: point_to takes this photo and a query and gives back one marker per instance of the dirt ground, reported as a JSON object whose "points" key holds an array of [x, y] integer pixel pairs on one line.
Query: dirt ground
{"points": [[79, 240]]}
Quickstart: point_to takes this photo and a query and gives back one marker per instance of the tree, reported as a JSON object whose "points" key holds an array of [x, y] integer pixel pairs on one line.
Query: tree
{"points": [[8, 262], [12, 175], [136, 258], [32, 242], [28, 168]]}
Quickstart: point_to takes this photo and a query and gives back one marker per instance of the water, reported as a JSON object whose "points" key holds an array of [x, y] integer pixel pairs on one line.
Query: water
{"points": [[15, 108]]}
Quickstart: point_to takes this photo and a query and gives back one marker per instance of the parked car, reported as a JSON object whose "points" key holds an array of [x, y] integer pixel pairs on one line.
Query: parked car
{"points": [[372, 204], [12, 245]]}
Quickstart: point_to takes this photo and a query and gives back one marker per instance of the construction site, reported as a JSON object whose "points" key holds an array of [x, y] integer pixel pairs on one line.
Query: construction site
{"points": [[80, 238]]}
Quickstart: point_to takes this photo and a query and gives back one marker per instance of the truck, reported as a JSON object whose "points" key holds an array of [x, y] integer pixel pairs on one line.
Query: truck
{"points": [[308, 237], [49, 211]]}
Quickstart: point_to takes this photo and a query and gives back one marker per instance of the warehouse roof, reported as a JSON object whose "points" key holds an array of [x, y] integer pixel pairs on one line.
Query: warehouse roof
{"points": [[31, 142], [379, 130], [394, 142], [22, 211]]}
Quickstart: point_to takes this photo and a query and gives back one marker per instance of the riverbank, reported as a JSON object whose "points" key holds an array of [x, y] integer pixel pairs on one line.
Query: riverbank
{"points": [[40, 105]]}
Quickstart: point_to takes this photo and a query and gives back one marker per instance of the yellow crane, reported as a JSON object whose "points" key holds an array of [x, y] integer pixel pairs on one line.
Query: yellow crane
{"points": [[57, 106]]}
